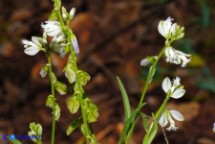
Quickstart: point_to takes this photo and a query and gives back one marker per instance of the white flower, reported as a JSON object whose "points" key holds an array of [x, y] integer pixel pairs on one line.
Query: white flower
{"points": [[183, 58], [75, 45], [166, 84], [175, 89], [32, 47], [177, 57], [169, 30], [167, 117], [164, 27], [52, 28]]}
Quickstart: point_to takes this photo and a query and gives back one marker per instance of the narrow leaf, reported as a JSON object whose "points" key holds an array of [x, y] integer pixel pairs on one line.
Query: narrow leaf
{"points": [[144, 120], [130, 120], [125, 99]]}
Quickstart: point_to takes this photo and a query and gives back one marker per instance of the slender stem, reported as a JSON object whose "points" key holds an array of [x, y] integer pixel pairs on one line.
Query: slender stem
{"points": [[54, 102], [92, 133], [150, 75], [147, 83], [83, 111], [157, 116], [88, 132]]}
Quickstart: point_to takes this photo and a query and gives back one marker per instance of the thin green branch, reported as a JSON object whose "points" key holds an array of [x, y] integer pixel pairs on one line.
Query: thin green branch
{"points": [[54, 102]]}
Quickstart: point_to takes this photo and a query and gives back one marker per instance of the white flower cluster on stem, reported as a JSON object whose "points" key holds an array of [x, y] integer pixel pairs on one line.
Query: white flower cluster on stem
{"points": [[57, 32], [175, 90], [172, 32], [167, 117]]}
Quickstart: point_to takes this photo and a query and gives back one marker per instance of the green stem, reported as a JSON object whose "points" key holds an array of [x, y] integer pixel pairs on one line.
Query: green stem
{"points": [[74, 59], [150, 75], [54, 103], [147, 139], [128, 123], [84, 115]]}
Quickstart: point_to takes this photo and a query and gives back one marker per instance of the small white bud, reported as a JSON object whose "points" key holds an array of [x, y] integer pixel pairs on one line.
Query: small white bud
{"points": [[64, 13], [72, 13]]}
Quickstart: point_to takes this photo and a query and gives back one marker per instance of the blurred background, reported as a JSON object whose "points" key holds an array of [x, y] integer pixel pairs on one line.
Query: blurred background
{"points": [[114, 35]]}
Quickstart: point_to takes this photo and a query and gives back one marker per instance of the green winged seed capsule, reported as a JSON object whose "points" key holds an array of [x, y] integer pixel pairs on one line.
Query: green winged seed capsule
{"points": [[73, 104], [70, 74], [57, 112], [49, 101], [60, 87]]}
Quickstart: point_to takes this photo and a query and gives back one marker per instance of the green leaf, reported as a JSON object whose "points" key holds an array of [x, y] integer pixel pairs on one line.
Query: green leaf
{"points": [[144, 119], [73, 104], [152, 133], [130, 132], [128, 123], [125, 99], [74, 124], [60, 87]]}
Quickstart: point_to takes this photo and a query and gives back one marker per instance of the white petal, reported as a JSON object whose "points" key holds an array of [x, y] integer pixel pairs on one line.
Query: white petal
{"points": [[182, 53], [170, 53], [173, 29], [166, 84], [31, 51], [25, 42], [176, 81], [72, 12], [35, 40], [164, 27], [177, 115], [163, 120], [178, 93], [75, 45]]}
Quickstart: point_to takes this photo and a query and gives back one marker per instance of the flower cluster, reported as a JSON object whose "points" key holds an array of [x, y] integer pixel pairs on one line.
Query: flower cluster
{"points": [[167, 117], [177, 57], [169, 30], [57, 32], [32, 47], [173, 32], [174, 90]]}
